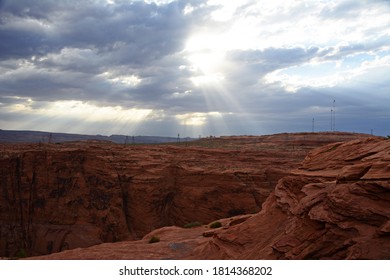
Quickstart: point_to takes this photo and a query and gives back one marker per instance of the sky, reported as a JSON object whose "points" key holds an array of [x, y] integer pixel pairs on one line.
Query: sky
{"points": [[195, 68]]}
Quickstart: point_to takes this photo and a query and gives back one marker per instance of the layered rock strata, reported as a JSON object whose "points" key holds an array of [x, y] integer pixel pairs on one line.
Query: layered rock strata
{"points": [[55, 197], [335, 205]]}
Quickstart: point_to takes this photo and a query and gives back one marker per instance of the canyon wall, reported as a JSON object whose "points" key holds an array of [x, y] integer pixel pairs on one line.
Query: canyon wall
{"points": [[335, 206], [56, 197]]}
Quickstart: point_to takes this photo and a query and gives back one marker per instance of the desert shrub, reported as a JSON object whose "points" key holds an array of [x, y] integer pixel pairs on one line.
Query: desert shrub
{"points": [[21, 254], [154, 239], [192, 224], [216, 225]]}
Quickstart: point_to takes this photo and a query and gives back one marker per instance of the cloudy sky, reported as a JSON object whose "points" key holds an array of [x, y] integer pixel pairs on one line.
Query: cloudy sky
{"points": [[208, 67]]}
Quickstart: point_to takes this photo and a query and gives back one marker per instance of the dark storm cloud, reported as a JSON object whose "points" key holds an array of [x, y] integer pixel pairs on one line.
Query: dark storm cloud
{"points": [[18, 42], [65, 45], [142, 31]]}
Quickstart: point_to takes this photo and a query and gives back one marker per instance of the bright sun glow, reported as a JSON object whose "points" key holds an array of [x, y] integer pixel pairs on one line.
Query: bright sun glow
{"points": [[206, 61], [206, 55], [196, 119], [207, 79], [207, 52]]}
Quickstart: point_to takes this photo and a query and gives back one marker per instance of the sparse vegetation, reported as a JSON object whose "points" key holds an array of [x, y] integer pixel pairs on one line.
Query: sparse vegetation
{"points": [[21, 254], [154, 239], [334, 147], [216, 225], [192, 224]]}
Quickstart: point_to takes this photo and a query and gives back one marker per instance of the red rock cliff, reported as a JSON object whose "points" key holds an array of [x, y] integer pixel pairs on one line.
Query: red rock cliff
{"points": [[65, 196], [335, 206]]}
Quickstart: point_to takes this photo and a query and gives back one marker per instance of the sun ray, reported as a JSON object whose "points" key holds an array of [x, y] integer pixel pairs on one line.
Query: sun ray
{"points": [[57, 116]]}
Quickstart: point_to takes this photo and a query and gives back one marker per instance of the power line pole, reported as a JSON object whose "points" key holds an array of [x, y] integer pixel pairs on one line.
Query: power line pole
{"points": [[334, 115], [126, 140], [312, 127], [331, 119]]}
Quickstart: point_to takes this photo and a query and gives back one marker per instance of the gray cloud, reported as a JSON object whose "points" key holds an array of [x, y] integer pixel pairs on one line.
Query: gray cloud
{"points": [[84, 39], [135, 31], [254, 64]]}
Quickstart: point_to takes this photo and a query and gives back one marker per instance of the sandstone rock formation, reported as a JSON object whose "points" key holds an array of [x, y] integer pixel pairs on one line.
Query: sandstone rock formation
{"points": [[56, 197], [334, 206], [77, 195]]}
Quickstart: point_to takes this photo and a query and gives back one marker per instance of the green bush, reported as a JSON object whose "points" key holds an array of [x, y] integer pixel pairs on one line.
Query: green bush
{"points": [[192, 224], [154, 239], [21, 254], [216, 225]]}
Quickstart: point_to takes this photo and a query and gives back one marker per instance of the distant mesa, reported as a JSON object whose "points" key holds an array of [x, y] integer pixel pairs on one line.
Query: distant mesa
{"points": [[26, 136]]}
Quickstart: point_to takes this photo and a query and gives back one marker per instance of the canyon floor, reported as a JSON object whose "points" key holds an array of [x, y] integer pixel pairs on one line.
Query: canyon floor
{"points": [[283, 196]]}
